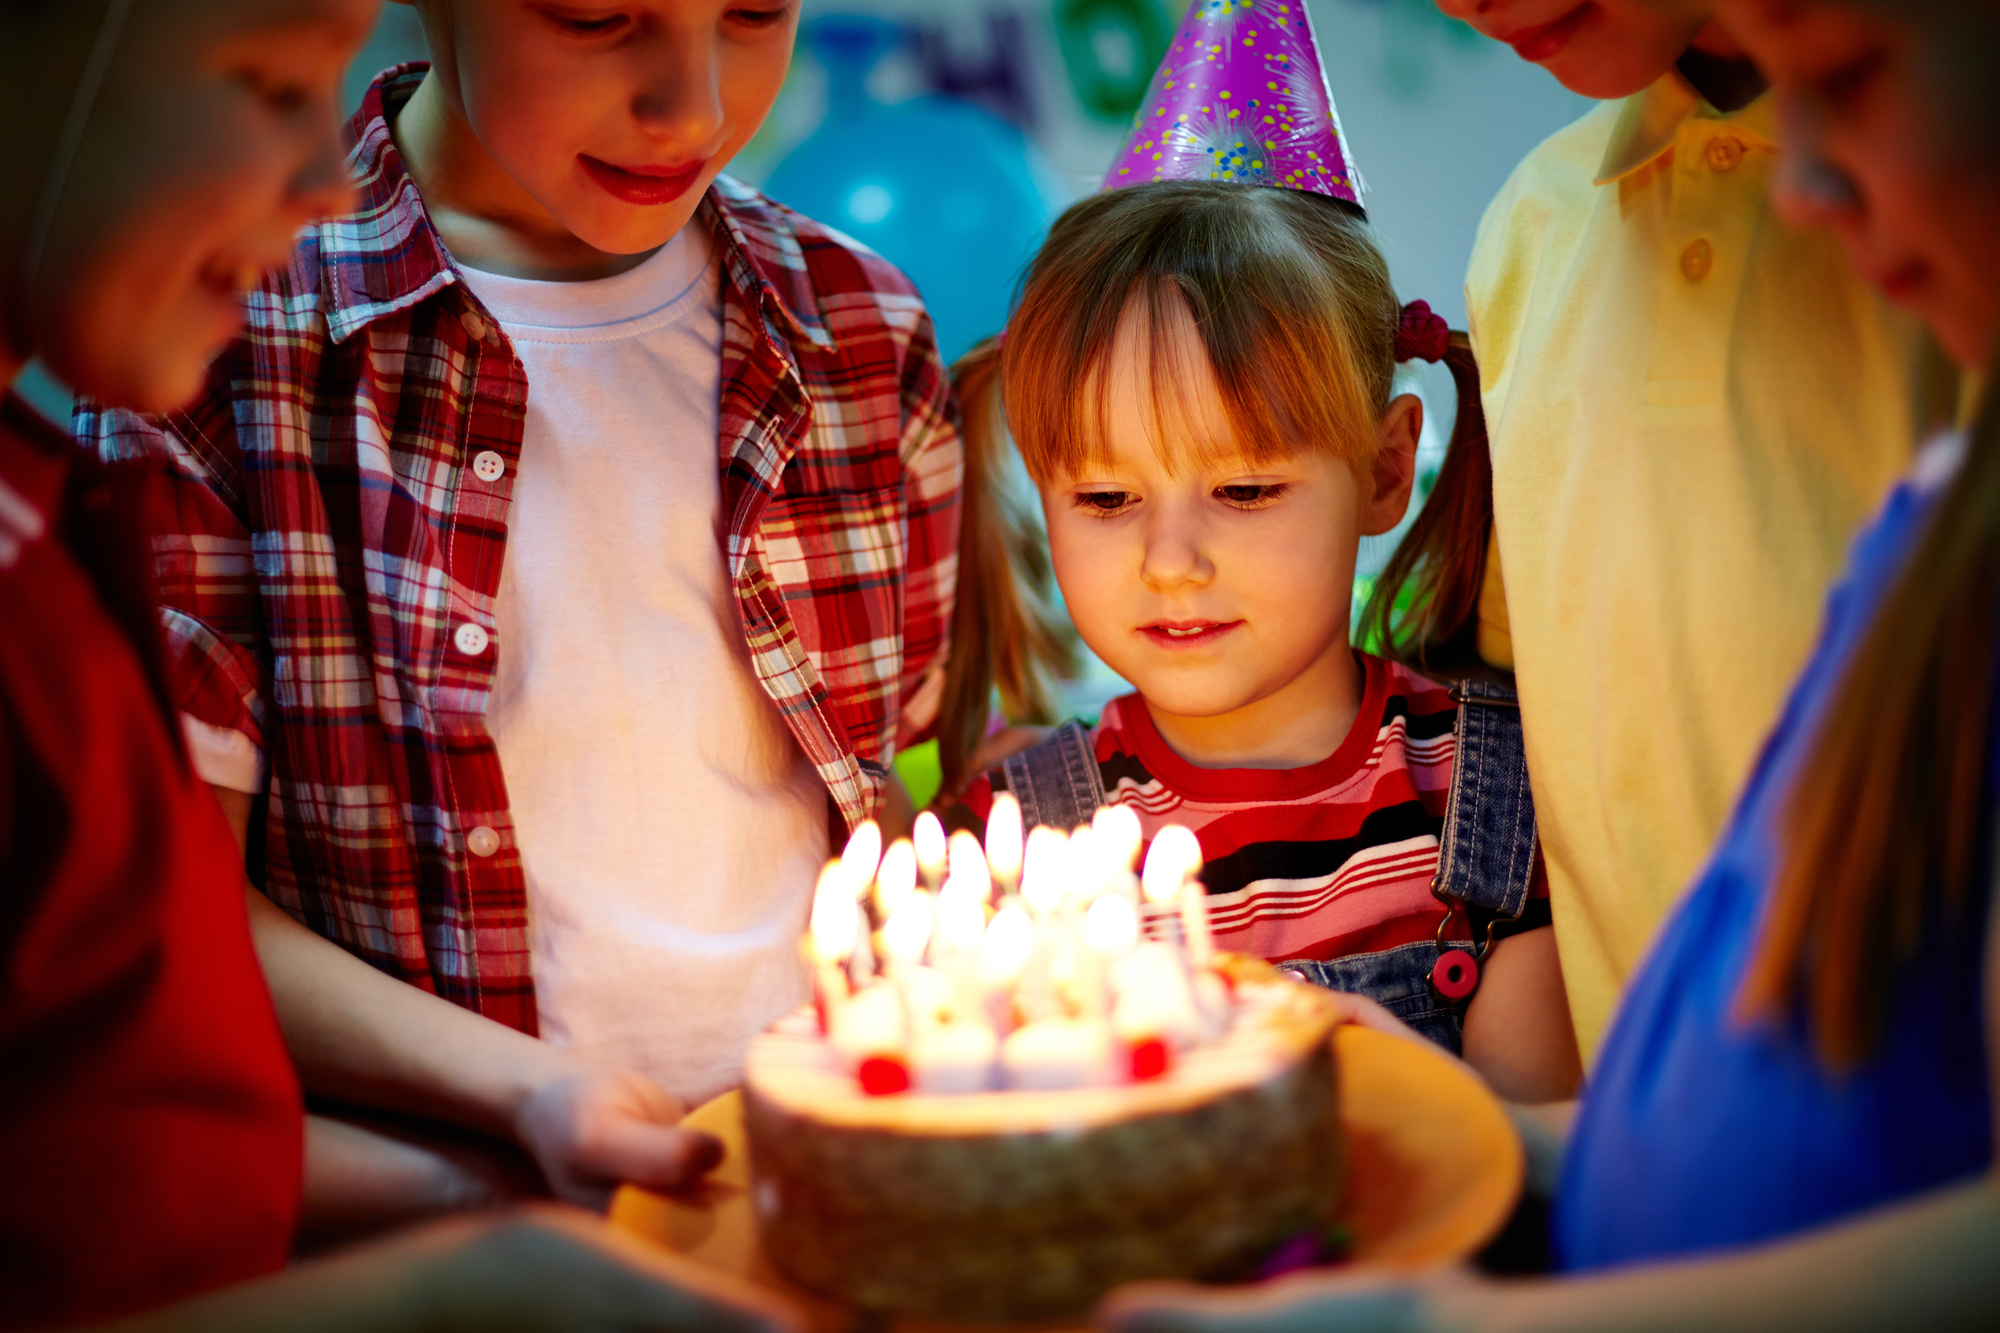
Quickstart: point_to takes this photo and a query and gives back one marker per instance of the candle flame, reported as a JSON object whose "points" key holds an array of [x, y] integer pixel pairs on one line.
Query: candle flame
{"points": [[967, 860], [896, 879], [1009, 941], [1111, 926], [1173, 858], [835, 920], [930, 847], [908, 929], [863, 854], [1042, 869], [961, 917], [1118, 836], [1003, 838]]}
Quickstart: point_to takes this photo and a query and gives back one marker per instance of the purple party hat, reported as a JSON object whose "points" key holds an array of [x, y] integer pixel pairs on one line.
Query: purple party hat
{"points": [[1240, 96]]}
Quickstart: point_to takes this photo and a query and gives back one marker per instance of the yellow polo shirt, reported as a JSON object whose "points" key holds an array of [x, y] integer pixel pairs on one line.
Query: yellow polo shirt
{"points": [[1692, 409]]}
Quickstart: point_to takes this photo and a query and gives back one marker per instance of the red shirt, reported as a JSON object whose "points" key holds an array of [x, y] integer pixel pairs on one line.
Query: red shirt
{"points": [[1320, 862], [151, 1131]]}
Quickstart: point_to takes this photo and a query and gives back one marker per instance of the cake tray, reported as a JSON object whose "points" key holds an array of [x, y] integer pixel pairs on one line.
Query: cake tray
{"points": [[1433, 1169]]}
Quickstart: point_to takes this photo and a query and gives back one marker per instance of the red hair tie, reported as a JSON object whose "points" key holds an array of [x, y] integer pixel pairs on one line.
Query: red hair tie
{"points": [[1422, 336]]}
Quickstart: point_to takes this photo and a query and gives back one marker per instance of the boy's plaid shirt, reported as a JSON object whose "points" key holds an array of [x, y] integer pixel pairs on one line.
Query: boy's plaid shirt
{"points": [[324, 538]]}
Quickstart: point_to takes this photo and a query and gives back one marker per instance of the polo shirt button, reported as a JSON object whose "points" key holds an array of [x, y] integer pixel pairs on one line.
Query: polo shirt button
{"points": [[482, 841], [1697, 259], [1724, 155], [488, 466], [470, 638], [475, 327]]}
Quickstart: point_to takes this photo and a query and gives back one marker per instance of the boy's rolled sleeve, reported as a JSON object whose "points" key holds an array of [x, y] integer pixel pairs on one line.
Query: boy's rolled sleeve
{"points": [[211, 616], [934, 474]]}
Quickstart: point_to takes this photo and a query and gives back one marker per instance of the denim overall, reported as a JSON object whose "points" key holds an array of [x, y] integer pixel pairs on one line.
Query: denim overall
{"points": [[1486, 854]]}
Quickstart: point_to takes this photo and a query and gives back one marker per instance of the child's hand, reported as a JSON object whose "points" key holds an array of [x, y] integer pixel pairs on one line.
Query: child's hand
{"points": [[1304, 1303], [1366, 1013], [591, 1129]]}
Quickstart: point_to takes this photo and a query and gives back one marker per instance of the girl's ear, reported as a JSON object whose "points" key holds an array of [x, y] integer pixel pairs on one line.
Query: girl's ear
{"points": [[1394, 471]]}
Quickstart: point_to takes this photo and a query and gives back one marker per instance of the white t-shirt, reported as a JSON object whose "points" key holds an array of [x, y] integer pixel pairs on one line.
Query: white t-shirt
{"points": [[669, 825]]}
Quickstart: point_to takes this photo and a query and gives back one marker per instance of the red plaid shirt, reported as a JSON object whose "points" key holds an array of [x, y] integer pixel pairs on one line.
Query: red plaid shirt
{"points": [[325, 540]]}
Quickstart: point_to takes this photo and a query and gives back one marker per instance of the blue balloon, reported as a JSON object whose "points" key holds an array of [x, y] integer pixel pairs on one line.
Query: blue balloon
{"points": [[938, 187]]}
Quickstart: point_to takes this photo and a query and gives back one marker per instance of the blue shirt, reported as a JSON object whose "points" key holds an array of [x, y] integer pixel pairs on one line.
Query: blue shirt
{"points": [[1701, 1132]]}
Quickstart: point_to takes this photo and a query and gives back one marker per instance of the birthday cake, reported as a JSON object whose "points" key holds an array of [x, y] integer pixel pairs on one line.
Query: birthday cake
{"points": [[1066, 1098]]}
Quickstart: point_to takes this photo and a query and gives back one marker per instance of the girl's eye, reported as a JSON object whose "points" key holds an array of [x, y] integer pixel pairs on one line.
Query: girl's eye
{"points": [[1251, 495], [1103, 502]]}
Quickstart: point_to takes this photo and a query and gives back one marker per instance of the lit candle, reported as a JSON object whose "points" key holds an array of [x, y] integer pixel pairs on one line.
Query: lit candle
{"points": [[1110, 929], [834, 926], [967, 867], [895, 879], [1004, 953], [1116, 828], [1178, 852], [1004, 851], [907, 932], [930, 849], [862, 854], [1042, 870]]}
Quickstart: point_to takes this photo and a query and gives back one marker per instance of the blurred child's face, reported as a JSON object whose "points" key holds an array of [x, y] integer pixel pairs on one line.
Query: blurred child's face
{"points": [[1599, 48], [1225, 586], [1883, 151], [213, 141], [613, 118]]}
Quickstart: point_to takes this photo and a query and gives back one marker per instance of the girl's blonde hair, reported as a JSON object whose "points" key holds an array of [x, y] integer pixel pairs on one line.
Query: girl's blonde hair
{"points": [[1292, 303], [1287, 291]]}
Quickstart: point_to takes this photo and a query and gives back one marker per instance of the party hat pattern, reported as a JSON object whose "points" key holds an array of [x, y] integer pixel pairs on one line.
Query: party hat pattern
{"points": [[1240, 96]]}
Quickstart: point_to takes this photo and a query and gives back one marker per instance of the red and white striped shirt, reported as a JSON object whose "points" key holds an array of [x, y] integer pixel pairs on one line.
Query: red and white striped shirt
{"points": [[1320, 862]]}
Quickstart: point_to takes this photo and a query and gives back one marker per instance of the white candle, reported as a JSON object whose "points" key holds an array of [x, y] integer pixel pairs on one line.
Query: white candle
{"points": [[1003, 842], [930, 848], [907, 932], [1058, 1053], [1110, 930], [955, 1057]]}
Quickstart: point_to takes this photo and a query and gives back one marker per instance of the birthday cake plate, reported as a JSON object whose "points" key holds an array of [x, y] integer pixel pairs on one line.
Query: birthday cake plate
{"points": [[1433, 1168]]}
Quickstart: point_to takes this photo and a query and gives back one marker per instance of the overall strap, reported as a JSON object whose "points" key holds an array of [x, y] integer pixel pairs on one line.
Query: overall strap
{"points": [[1487, 857], [1057, 781]]}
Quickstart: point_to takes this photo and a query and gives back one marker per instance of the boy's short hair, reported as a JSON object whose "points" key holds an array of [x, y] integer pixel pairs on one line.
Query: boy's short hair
{"points": [[1288, 292]]}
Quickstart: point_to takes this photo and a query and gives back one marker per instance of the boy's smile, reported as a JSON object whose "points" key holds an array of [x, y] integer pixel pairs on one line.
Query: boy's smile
{"points": [[569, 141], [1220, 589]]}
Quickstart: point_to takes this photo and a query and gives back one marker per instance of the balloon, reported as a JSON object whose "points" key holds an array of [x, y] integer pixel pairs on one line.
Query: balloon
{"points": [[935, 185]]}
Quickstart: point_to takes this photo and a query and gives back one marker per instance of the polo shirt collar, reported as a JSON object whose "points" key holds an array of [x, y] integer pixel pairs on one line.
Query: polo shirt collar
{"points": [[385, 256], [1649, 122]]}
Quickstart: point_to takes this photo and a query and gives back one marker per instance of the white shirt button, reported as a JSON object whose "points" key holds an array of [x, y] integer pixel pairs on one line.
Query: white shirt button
{"points": [[482, 841], [1697, 260], [1724, 155], [470, 638], [475, 327], [488, 466]]}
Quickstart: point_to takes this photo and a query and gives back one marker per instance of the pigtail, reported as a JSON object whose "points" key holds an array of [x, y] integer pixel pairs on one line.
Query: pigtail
{"points": [[1424, 610], [1007, 635]]}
